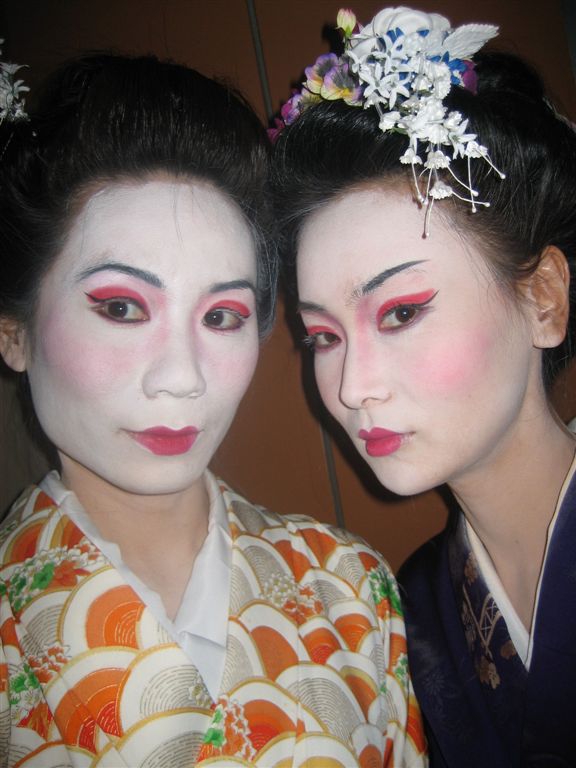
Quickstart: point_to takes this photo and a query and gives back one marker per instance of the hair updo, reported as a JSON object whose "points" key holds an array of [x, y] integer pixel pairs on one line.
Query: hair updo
{"points": [[106, 118], [332, 147]]}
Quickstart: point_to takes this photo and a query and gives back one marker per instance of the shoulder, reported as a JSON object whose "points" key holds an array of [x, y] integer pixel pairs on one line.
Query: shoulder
{"points": [[424, 561], [325, 545], [20, 528]]}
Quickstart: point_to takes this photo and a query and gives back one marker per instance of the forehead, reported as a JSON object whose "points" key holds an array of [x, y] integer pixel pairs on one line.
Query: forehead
{"points": [[366, 231], [161, 226]]}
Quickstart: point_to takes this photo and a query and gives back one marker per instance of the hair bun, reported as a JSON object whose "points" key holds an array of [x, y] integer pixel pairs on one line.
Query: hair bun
{"points": [[503, 72]]}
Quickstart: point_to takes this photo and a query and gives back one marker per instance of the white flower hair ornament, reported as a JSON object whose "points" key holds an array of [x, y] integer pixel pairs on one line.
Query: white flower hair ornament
{"points": [[11, 101], [404, 63]]}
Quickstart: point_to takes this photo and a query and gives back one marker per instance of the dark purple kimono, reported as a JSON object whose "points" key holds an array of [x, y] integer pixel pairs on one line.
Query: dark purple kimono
{"points": [[482, 708]]}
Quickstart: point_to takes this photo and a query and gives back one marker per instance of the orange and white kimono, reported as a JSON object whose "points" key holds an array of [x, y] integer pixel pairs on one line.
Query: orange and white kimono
{"points": [[316, 671]]}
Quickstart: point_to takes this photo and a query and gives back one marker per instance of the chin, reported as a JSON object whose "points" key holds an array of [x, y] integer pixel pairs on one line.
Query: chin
{"points": [[403, 481], [139, 480], [164, 484]]}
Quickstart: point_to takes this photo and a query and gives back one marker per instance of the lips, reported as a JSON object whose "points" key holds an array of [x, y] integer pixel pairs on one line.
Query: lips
{"points": [[381, 442], [164, 441]]}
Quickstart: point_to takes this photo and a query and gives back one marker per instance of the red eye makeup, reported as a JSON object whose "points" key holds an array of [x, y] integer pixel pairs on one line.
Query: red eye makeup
{"points": [[315, 330], [402, 311], [234, 306], [227, 315], [412, 300], [115, 292], [119, 304]]}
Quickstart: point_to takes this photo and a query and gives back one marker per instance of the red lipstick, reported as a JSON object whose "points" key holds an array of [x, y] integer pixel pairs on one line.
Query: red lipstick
{"points": [[164, 441], [381, 442]]}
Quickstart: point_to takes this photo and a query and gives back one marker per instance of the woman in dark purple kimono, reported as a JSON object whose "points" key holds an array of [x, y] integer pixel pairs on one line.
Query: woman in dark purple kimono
{"points": [[434, 353]]}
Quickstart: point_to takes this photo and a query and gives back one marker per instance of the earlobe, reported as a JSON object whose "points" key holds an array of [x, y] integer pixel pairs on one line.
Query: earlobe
{"points": [[13, 344], [547, 290]]}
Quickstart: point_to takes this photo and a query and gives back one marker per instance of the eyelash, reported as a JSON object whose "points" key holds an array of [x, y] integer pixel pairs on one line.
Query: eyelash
{"points": [[399, 304], [311, 339], [233, 309], [102, 306]]}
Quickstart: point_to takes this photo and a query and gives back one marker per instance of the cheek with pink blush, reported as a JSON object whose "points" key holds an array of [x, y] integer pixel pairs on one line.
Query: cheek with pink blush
{"points": [[93, 366], [453, 365]]}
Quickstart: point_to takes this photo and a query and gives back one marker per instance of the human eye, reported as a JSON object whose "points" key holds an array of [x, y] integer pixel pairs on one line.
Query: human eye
{"points": [[119, 307], [226, 316], [320, 339], [404, 311]]}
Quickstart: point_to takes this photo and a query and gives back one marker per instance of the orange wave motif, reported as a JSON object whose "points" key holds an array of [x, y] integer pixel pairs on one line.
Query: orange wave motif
{"points": [[8, 633], [352, 627], [25, 545], [266, 721], [275, 651], [91, 703], [113, 617], [38, 719], [370, 757], [362, 690], [320, 542], [298, 562], [321, 644]]}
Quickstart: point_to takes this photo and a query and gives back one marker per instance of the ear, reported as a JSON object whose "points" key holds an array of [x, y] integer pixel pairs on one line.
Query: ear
{"points": [[547, 290], [13, 344]]}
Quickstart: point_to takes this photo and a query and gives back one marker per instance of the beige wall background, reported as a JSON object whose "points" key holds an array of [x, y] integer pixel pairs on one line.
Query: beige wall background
{"points": [[277, 452]]}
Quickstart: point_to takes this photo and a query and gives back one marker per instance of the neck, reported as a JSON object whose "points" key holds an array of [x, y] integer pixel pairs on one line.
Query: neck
{"points": [[159, 536], [511, 501]]}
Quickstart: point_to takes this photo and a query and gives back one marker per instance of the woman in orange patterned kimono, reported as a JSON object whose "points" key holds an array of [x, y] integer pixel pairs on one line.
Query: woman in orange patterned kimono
{"points": [[150, 616]]}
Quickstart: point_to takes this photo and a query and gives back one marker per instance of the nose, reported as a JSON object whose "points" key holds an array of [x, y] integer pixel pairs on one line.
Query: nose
{"points": [[364, 379], [175, 370]]}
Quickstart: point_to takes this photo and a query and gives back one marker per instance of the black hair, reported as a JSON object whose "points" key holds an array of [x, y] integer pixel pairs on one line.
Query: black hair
{"points": [[332, 147], [103, 118]]}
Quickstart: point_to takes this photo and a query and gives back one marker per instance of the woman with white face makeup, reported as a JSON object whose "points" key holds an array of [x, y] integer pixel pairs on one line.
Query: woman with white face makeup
{"points": [[427, 201], [148, 613]]}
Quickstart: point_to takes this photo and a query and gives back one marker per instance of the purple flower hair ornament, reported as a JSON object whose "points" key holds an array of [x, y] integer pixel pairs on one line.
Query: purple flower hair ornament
{"points": [[403, 64]]}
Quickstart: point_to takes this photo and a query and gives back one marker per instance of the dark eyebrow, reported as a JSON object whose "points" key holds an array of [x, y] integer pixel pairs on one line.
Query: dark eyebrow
{"points": [[377, 281], [364, 290], [126, 269], [232, 285], [309, 306]]}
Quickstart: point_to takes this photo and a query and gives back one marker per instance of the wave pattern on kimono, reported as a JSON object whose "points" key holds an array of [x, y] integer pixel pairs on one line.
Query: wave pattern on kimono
{"points": [[316, 667], [481, 705]]}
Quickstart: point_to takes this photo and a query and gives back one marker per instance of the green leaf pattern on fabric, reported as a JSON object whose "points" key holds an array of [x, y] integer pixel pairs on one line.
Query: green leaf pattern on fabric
{"points": [[24, 692], [215, 734], [37, 573], [384, 587]]}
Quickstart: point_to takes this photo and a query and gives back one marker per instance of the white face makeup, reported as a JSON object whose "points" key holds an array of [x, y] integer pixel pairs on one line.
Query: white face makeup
{"points": [[418, 354], [146, 334]]}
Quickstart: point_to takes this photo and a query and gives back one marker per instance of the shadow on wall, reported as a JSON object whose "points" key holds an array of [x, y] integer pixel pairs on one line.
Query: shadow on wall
{"points": [[21, 454]]}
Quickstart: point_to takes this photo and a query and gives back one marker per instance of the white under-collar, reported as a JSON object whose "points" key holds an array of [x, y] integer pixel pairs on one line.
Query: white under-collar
{"points": [[522, 639], [201, 624]]}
